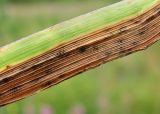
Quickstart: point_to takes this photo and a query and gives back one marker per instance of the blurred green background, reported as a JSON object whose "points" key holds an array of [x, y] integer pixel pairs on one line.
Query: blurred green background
{"points": [[130, 85]]}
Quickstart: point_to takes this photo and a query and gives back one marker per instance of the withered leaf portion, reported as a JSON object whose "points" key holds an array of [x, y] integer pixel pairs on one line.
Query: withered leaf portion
{"points": [[79, 55]]}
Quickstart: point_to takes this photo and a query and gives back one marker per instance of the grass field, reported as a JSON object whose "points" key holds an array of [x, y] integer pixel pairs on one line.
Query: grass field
{"points": [[130, 85]]}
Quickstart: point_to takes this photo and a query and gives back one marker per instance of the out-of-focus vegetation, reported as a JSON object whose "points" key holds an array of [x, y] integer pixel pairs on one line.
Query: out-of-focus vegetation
{"points": [[37, 1], [130, 85]]}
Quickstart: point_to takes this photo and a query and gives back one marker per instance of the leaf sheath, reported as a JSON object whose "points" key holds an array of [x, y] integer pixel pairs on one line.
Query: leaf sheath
{"points": [[64, 58]]}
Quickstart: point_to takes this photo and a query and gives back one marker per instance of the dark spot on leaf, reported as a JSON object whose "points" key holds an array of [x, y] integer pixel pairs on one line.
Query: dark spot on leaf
{"points": [[79, 72], [47, 84], [121, 50], [149, 19], [48, 71], [82, 49], [36, 80], [61, 76], [137, 21], [62, 54], [108, 53], [35, 67], [6, 80], [15, 89], [141, 32], [128, 52], [134, 43], [95, 48], [120, 41]]}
